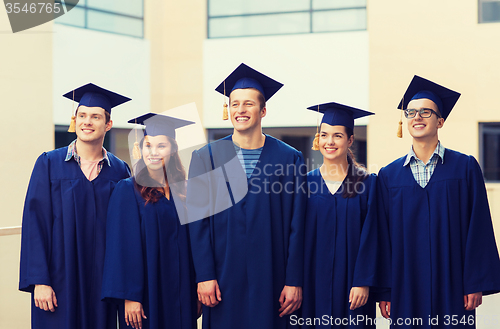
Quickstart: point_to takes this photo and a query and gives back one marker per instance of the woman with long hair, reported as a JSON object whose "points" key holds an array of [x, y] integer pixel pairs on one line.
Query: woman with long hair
{"points": [[148, 263], [341, 238]]}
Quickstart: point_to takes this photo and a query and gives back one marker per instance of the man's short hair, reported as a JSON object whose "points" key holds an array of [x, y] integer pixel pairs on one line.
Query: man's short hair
{"points": [[106, 115], [260, 98]]}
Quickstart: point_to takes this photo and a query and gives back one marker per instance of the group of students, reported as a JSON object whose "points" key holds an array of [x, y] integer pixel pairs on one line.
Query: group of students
{"points": [[317, 249]]}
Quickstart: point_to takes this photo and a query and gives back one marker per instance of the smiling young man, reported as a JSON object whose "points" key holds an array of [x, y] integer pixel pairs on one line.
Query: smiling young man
{"points": [[248, 258], [64, 220], [444, 256]]}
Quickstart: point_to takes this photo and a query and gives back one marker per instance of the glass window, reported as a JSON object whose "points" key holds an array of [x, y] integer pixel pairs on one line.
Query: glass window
{"points": [[233, 18], [115, 141], [489, 11], [245, 7], [302, 138], [489, 149], [125, 7], [114, 23], [259, 25], [338, 4], [75, 17], [121, 17], [339, 20]]}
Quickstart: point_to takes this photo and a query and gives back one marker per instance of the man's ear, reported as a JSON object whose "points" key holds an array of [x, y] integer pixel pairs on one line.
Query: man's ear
{"points": [[440, 123], [109, 125], [263, 112]]}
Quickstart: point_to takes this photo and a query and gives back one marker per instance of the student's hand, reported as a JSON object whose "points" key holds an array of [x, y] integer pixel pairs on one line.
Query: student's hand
{"points": [[134, 313], [45, 298], [385, 309], [199, 310], [209, 293], [358, 296], [290, 300], [471, 301]]}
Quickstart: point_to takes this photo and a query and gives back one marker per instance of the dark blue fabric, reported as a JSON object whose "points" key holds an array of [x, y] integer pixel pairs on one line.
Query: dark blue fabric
{"points": [[92, 95], [159, 124], [442, 239], [63, 240], [244, 83], [148, 259], [429, 95], [444, 98], [336, 114], [246, 77], [254, 248], [344, 248]]}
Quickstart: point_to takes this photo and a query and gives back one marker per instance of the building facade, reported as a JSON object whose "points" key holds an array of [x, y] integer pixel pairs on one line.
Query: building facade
{"points": [[164, 54]]}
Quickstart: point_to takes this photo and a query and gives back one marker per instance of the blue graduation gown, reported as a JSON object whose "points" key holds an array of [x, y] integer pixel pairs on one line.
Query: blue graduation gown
{"points": [[344, 248], [443, 245], [148, 259], [254, 248], [63, 240]]}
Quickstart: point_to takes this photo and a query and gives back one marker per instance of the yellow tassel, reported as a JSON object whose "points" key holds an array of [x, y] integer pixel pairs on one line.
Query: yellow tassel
{"points": [[400, 126], [316, 142], [400, 129], [72, 124], [136, 152], [224, 112]]}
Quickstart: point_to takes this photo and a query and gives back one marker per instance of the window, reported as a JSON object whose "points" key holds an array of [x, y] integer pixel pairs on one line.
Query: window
{"points": [[302, 138], [236, 18], [121, 17], [489, 150], [115, 141], [489, 11]]}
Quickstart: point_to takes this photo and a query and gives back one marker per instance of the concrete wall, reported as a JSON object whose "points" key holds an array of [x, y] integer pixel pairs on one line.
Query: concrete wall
{"points": [[176, 30], [445, 45], [314, 68], [440, 41], [115, 62], [26, 104]]}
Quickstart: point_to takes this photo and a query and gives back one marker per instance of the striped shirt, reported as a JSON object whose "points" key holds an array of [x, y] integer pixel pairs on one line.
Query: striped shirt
{"points": [[248, 158], [421, 171], [73, 154]]}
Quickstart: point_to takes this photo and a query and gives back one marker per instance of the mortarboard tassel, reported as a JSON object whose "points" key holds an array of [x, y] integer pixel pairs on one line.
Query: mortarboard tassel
{"points": [[316, 142], [224, 112], [72, 124], [400, 126], [136, 152], [315, 146]]}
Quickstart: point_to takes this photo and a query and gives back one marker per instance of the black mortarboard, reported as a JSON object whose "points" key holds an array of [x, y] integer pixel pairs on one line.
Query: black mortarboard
{"points": [[336, 114], [92, 95], [245, 77], [159, 124], [339, 114], [419, 88]]}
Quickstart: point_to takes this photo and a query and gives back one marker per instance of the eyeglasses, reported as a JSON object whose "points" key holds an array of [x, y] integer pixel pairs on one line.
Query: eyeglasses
{"points": [[424, 113]]}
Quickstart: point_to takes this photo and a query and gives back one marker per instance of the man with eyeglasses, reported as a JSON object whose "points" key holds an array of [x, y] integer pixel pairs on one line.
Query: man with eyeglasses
{"points": [[444, 256]]}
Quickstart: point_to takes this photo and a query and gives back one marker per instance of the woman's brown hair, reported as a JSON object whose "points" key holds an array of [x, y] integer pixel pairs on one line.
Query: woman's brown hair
{"points": [[149, 190], [356, 173]]}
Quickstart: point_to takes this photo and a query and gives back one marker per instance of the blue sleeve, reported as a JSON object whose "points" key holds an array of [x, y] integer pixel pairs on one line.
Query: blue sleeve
{"points": [[124, 266], [384, 267], [198, 202], [295, 263], [482, 264], [373, 261], [36, 237]]}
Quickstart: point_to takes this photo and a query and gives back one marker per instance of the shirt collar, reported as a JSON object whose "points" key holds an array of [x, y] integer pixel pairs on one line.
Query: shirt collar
{"points": [[73, 154], [439, 151]]}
